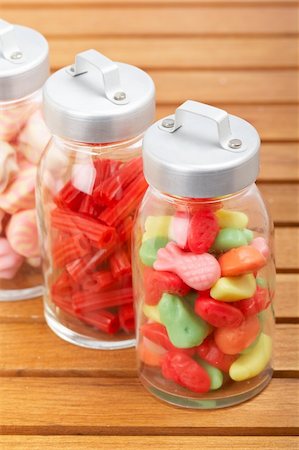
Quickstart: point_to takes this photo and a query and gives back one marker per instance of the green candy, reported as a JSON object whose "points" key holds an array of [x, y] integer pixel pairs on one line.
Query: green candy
{"points": [[229, 238], [215, 374], [261, 282], [149, 249], [185, 329], [248, 235]]}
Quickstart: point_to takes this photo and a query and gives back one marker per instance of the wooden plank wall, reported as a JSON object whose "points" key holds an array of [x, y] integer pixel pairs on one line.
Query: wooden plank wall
{"points": [[241, 55]]}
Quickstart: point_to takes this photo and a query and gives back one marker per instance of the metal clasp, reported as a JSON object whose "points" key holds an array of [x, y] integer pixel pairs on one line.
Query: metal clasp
{"points": [[8, 43], [108, 69], [219, 116]]}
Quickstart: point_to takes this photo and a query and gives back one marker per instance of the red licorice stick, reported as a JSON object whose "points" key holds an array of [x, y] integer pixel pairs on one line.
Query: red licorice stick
{"points": [[68, 222], [132, 195], [127, 318], [69, 197], [89, 207], [103, 320], [74, 247], [63, 303], [91, 301], [124, 229], [63, 285], [113, 188], [120, 263], [98, 282], [104, 169]]}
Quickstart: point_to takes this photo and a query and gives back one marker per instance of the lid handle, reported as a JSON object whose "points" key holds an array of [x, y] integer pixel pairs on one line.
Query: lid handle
{"points": [[108, 69], [226, 139], [8, 43]]}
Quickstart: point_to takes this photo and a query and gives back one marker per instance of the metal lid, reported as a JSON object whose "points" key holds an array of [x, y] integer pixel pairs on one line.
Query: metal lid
{"points": [[200, 152], [24, 64], [97, 100]]}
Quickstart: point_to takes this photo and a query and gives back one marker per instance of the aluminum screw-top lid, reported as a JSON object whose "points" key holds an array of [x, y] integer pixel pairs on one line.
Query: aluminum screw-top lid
{"points": [[97, 100], [24, 64], [200, 152]]}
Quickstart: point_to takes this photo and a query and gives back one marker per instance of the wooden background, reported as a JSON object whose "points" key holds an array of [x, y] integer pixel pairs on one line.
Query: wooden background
{"points": [[241, 56]]}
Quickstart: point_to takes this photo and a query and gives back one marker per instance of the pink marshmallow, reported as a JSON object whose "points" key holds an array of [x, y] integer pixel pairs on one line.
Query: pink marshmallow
{"points": [[8, 165], [20, 194], [10, 261], [22, 233]]}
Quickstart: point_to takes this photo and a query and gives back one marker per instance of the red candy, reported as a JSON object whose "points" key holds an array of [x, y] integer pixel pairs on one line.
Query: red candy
{"points": [[218, 314], [127, 318], [157, 283], [255, 304], [203, 229], [183, 370], [209, 352]]}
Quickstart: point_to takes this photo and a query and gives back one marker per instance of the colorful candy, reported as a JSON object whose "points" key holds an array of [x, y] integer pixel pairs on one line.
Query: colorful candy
{"points": [[156, 226], [202, 231], [242, 260], [150, 353], [209, 351], [8, 165], [185, 329], [20, 194], [178, 229], [22, 233], [252, 363], [229, 238], [10, 261], [259, 302], [149, 250], [233, 340], [231, 289], [152, 312], [231, 219], [183, 370], [218, 314], [156, 283], [261, 245], [198, 271], [215, 375]]}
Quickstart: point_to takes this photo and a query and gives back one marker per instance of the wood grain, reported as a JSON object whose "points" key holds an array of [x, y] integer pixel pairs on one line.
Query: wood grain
{"points": [[88, 405], [29, 349], [185, 53], [147, 442], [283, 201], [141, 3], [273, 122], [100, 20], [287, 248]]}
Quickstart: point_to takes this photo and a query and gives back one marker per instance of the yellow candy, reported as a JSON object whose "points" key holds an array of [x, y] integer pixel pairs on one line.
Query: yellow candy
{"points": [[231, 219], [231, 289], [152, 313], [254, 361], [156, 226]]}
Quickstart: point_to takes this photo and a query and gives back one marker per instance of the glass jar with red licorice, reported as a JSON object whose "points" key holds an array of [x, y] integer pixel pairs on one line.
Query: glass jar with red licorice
{"points": [[203, 264], [90, 182]]}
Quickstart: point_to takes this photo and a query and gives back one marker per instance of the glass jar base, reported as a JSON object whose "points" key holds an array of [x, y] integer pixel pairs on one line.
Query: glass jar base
{"points": [[81, 340], [212, 400], [12, 295]]}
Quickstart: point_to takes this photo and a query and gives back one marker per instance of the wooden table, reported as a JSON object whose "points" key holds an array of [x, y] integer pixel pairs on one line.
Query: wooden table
{"points": [[239, 55]]}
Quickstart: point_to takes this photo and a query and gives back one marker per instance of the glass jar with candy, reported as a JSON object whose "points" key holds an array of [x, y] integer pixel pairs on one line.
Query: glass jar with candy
{"points": [[90, 183], [24, 68], [203, 268]]}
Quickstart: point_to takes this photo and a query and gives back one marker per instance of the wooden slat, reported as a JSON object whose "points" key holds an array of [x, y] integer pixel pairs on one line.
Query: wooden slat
{"points": [[142, 3], [185, 53], [31, 349], [147, 442], [287, 248], [123, 407], [273, 122], [283, 201], [151, 20], [279, 162]]}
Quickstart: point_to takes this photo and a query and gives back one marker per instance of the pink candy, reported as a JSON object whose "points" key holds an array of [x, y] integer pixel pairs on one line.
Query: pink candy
{"points": [[198, 271], [261, 245], [10, 261], [178, 230], [22, 233], [34, 138], [21, 192]]}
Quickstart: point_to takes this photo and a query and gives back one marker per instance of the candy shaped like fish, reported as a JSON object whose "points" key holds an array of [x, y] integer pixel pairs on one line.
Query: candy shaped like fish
{"points": [[198, 271], [8, 165]]}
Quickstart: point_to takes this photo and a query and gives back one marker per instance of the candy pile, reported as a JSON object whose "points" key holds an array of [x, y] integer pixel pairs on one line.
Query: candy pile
{"points": [[204, 299], [91, 241], [23, 136]]}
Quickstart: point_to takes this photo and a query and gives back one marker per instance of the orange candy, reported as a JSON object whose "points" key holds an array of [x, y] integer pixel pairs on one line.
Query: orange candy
{"points": [[240, 261], [151, 353], [234, 340]]}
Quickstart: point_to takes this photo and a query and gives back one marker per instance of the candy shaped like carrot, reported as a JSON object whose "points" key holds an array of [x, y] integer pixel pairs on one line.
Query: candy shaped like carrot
{"points": [[197, 271], [241, 260]]}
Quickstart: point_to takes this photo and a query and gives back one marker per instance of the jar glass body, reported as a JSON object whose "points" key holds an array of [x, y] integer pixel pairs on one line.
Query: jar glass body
{"points": [[204, 281], [23, 136], [87, 195]]}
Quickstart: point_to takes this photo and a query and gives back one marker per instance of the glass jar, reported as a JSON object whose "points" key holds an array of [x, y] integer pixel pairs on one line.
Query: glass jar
{"points": [[90, 183], [24, 68], [203, 267]]}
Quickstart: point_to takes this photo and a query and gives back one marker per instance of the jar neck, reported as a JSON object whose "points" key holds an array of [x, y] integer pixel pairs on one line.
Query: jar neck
{"points": [[197, 201]]}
